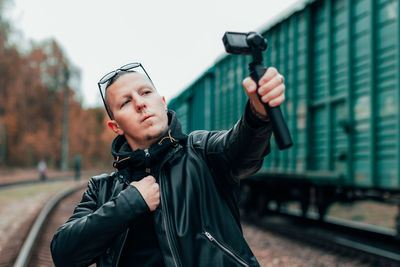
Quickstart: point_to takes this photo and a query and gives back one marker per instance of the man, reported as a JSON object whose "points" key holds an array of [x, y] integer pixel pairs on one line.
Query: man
{"points": [[173, 199]]}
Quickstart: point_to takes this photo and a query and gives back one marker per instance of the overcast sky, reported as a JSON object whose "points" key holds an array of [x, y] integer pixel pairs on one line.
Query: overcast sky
{"points": [[175, 40]]}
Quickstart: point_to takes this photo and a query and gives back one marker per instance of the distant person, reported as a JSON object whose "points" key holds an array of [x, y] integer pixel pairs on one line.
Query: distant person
{"points": [[42, 166], [77, 166], [173, 200]]}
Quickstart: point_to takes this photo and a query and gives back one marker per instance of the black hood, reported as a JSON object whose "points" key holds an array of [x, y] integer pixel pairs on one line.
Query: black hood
{"points": [[124, 156]]}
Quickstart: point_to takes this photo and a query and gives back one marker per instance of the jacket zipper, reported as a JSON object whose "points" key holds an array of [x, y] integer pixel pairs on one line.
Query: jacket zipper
{"points": [[166, 225], [122, 247], [147, 160], [230, 253], [164, 208]]}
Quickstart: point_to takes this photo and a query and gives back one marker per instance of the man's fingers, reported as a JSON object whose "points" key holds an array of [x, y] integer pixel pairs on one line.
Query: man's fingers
{"points": [[277, 101], [150, 191], [156, 187], [276, 81], [249, 85], [149, 179], [250, 88], [268, 75], [146, 181], [274, 93]]}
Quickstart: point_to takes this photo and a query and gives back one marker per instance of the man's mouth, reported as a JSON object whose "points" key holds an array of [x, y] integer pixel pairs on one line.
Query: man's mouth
{"points": [[147, 116]]}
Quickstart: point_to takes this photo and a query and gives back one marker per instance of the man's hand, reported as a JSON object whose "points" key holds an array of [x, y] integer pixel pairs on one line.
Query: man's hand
{"points": [[271, 88], [149, 190]]}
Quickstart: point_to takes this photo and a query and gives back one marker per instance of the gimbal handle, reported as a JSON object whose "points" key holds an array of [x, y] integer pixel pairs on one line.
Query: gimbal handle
{"points": [[279, 127]]}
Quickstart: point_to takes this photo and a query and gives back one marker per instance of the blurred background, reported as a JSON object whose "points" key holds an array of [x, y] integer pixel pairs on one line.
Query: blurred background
{"points": [[340, 59]]}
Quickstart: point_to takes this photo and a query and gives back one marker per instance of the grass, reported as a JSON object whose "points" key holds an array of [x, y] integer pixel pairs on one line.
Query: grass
{"points": [[371, 212], [18, 193]]}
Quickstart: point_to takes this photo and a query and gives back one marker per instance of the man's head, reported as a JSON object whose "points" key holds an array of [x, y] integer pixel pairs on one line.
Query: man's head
{"points": [[138, 111]]}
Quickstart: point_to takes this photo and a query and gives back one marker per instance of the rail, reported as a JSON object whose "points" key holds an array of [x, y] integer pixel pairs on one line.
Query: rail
{"points": [[26, 250]]}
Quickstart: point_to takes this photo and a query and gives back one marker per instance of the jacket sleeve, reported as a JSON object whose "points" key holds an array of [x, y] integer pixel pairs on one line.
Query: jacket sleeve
{"points": [[239, 152], [91, 229]]}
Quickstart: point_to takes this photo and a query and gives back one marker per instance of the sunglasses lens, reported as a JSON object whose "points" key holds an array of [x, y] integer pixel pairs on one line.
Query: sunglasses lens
{"points": [[126, 67], [107, 77], [129, 66]]}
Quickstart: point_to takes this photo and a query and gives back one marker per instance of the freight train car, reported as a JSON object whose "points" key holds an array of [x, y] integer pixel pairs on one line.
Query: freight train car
{"points": [[340, 59]]}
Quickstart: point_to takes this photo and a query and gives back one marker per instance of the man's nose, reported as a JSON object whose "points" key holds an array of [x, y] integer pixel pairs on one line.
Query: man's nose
{"points": [[139, 104]]}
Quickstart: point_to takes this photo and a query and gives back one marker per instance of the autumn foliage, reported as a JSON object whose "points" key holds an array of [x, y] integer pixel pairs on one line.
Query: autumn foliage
{"points": [[32, 89]]}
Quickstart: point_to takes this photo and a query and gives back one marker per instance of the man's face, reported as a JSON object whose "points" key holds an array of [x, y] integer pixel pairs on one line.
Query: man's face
{"points": [[139, 111]]}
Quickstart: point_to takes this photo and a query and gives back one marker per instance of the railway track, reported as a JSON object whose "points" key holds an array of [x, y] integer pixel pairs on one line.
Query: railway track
{"points": [[36, 249], [374, 246]]}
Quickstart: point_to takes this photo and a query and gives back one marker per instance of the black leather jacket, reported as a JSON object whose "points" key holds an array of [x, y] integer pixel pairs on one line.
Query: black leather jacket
{"points": [[197, 221]]}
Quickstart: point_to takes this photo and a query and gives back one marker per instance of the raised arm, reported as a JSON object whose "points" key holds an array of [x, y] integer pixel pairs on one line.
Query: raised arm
{"points": [[239, 152]]}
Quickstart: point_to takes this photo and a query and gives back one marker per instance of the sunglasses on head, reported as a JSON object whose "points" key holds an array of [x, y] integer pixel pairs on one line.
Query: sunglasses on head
{"points": [[104, 82]]}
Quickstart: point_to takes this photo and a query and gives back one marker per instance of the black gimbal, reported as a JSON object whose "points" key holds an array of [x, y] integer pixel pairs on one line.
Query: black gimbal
{"points": [[253, 44]]}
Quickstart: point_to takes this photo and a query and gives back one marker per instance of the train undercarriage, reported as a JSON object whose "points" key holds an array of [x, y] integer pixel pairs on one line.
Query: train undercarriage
{"points": [[260, 195]]}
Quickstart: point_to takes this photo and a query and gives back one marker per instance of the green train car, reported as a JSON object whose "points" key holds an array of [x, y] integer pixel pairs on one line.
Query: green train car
{"points": [[340, 59]]}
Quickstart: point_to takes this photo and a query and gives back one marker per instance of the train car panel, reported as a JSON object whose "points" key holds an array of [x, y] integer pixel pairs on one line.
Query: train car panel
{"points": [[227, 103], [363, 156], [218, 94], [239, 93], [319, 133], [287, 108], [291, 35], [386, 119], [319, 84], [182, 112], [209, 107], [242, 73], [301, 96], [339, 58], [181, 107], [197, 105]]}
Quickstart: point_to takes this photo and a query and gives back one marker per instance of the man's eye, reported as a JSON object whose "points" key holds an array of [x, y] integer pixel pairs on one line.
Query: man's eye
{"points": [[125, 102]]}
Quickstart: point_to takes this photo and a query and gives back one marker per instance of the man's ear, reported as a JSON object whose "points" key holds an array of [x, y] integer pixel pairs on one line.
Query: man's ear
{"points": [[113, 125], [165, 103]]}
